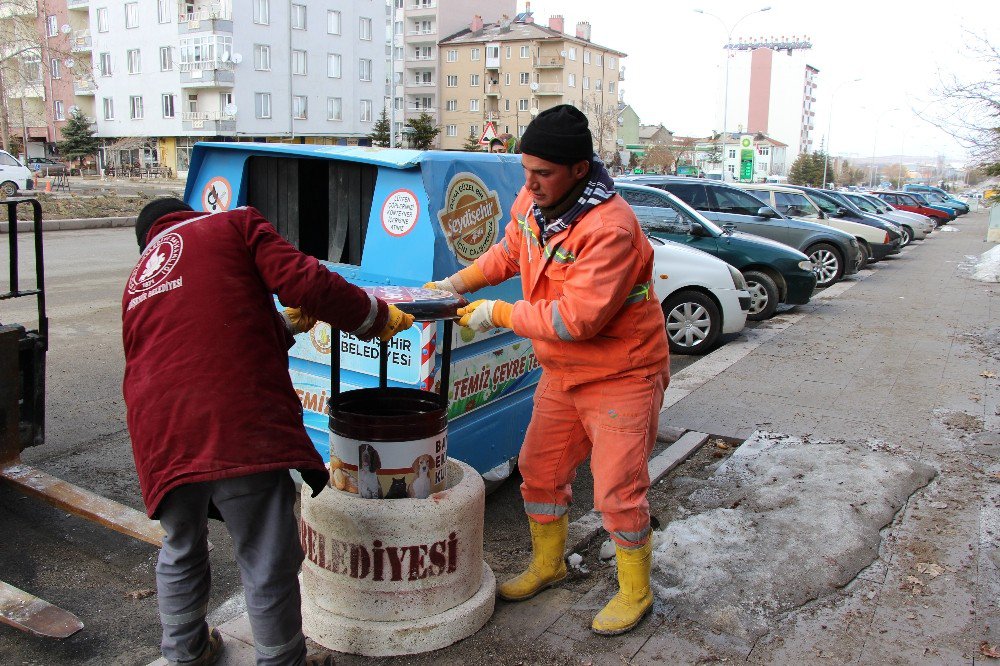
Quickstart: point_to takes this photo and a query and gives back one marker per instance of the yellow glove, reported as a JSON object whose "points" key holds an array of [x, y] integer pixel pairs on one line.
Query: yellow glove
{"points": [[444, 285], [398, 321], [466, 281], [482, 315], [298, 321]]}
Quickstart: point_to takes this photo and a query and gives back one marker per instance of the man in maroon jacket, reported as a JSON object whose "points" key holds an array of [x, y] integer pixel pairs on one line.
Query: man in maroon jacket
{"points": [[214, 421]]}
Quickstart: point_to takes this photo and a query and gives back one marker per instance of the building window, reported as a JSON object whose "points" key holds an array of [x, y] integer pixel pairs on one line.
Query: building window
{"points": [[597, 84], [300, 104], [298, 17], [334, 108], [262, 104], [451, 130], [59, 111], [193, 103], [599, 59], [521, 129], [474, 54], [365, 69], [166, 59], [452, 55], [51, 26], [586, 83], [134, 60], [164, 9], [102, 19], [571, 80], [525, 52], [522, 105], [334, 68], [493, 52], [135, 107], [105, 60], [452, 80], [611, 86], [366, 110], [506, 79], [109, 108], [262, 57], [262, 13], [611, 62], [474, 80], [167, 102], [474, 130], [507, 52], [298, 62], [732, 153], [451, 105], [131, 14], [506, 104], [586, 57], [332, 22], [572, 53], [55, 68], [365, 29], [473, 105], [524, 78]]}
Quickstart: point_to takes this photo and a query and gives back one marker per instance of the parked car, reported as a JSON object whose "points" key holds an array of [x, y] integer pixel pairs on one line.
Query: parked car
{"points": [[45, 167], [702, 297], [833, 253], [14, 176], [944, 208], [918, 226], [875, 243], [774, 272], [947, 198], [834, 206], [907, 201]]}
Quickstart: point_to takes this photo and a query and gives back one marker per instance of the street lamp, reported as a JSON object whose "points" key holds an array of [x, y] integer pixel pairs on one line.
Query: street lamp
{"points": [[829, 126], [729, 40], [875, 140]]}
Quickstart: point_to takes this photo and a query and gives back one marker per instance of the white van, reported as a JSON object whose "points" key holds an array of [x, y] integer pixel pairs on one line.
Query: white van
{"points": [[14, 176]]}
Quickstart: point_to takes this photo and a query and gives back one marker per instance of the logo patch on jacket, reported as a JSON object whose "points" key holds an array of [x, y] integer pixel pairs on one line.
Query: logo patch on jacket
{"points": [[471, 217], [150, 275]]}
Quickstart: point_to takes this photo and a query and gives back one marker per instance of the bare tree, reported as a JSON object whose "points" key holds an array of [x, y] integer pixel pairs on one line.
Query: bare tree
{"points": [[603, 126], [659, 158]]}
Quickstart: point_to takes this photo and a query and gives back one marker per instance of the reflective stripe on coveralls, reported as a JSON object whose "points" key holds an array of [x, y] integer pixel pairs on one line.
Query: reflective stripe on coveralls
{"points": [[184, 618], [640, 292]]}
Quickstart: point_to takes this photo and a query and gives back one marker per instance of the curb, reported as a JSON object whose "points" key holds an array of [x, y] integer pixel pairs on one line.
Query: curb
{"points": [[72, 225]]}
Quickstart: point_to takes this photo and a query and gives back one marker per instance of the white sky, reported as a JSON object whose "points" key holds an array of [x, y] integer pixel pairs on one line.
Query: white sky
{"points": [[675, 65]]}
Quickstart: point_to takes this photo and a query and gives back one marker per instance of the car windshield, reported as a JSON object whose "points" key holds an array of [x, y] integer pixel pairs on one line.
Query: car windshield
{"points": [[919, 198], [863, 204], [797, 205], [843, 201], [825, 203], [878, 204], [663, 220], [672, 212], [731, 200]]}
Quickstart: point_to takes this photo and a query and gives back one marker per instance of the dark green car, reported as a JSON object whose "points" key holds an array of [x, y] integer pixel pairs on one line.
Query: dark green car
{"points": [[775, 273]]}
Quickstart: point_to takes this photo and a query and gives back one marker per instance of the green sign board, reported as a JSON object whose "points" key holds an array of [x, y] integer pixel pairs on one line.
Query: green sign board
{"points": [[746, 165], [687, 170]]}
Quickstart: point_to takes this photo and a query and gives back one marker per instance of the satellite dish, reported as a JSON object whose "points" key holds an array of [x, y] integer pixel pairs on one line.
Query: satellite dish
{"points": [[621, 121], [70, 62], [74, 108], [534, 86], [620, 142], [533, 111], [230, 109], [65, 29], [562, 53], [237, 58]]}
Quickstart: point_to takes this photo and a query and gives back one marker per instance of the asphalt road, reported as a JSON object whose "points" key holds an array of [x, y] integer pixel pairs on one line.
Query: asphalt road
{"points": [[85, 568]]}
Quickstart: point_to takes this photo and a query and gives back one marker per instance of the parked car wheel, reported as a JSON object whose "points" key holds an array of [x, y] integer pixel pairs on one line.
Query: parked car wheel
{"points": [[693, 322], [907, 235], [763, 295], [827, 262], [9, 188], [866, 253]]}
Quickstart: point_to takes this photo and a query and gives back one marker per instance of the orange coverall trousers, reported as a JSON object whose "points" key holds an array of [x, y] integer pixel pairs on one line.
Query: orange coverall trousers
{"points": [[614, 421]]}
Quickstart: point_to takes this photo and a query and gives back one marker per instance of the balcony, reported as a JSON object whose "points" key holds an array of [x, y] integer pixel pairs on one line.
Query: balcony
{"points": [[493, 62], [421, 109], [84, 87], [418, 35], [492, 90], [421, 58], [548, 89], [207, 74], [208, 121], [216, 17], [420, 8], [550, 62], [80, 41], [421, 84], [78, 4], [491, 116]]}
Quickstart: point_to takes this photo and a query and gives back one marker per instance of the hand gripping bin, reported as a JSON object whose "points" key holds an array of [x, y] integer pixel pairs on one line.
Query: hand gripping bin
{"points": [[394, 556]]}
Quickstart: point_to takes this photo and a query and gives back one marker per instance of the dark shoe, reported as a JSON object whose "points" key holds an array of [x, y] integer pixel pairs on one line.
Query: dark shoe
{"points": [[317, 655], [212, 653]]}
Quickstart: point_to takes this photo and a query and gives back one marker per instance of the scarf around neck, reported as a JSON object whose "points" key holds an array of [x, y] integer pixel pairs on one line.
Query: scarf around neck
{"points": [[600, 187]]}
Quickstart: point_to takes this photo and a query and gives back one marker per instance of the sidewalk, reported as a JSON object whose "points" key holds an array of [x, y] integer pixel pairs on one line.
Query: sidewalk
{"points": [[909, 354]]}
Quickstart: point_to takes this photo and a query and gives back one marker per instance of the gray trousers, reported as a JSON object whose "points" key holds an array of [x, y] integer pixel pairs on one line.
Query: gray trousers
{"points": [[258, 513]]}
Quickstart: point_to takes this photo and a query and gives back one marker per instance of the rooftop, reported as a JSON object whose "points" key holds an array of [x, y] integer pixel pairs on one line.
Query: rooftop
{"points": [[519, 32]]}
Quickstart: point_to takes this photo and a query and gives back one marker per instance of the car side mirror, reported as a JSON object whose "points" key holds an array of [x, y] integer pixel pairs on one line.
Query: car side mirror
{"points": [[766, 212], [696, 230], [729, 228], [841, 212]]}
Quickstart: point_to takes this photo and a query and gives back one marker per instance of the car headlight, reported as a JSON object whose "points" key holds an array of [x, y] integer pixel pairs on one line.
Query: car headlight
{"points": [[738, 281], [806, 265]]}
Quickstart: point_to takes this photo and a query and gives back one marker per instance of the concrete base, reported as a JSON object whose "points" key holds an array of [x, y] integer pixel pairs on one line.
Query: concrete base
{"points": [[389, 639]]}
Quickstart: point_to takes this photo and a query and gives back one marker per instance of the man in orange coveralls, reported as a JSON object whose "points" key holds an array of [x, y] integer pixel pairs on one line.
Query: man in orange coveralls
{"points": [[598, 332]]}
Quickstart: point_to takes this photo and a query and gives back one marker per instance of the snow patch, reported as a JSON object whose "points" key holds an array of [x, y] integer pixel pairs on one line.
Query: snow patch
{"points": [[987, 269]]}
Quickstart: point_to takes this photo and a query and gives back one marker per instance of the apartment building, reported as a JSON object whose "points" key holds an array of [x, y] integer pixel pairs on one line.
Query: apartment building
{"points": [[417, 27], [170, 73], [506, 72]]}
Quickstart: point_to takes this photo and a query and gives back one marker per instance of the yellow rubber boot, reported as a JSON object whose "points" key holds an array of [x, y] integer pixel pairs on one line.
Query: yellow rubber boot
{"points": [[547, 565], [634, 598]]}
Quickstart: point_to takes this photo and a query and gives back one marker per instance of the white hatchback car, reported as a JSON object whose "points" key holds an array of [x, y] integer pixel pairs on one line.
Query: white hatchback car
{"points": [[702, 297], [14, 176]]}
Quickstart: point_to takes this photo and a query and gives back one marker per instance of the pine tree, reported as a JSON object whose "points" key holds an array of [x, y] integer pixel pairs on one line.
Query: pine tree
{"points": [[424, 131], [472, 144], [381, 131], [78, 138]]}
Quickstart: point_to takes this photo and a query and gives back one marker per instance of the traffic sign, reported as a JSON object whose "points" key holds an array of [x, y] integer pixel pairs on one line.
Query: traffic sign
{"points": [[489, 133]]}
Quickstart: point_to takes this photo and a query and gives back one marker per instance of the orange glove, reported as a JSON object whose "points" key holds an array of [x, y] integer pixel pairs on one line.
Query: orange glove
{"points": [[482, 315], [298, 321], [398, 321]]}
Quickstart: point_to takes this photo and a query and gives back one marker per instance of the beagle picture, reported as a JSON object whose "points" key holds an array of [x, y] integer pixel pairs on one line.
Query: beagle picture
{"points": [[368, 467], [420, 487]]}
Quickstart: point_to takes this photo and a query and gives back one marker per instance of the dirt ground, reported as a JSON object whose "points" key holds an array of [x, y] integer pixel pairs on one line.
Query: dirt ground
{"points": [[60, 206]]}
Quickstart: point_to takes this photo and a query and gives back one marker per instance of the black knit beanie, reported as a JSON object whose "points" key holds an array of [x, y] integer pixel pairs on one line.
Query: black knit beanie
{"points": [[560, 134], [153, 211]]}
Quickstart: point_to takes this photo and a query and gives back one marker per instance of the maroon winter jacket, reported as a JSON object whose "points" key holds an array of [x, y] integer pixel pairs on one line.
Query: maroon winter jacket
{"points": [[206, 352]]}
